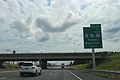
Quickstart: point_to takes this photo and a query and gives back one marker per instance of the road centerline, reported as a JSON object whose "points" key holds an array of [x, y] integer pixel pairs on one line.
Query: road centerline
{"points": [[75, 75]]}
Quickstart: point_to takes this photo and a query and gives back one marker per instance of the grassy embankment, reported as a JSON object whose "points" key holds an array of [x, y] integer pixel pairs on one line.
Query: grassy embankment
{"points": [[112, 63], [80, 67], [11, 66]]}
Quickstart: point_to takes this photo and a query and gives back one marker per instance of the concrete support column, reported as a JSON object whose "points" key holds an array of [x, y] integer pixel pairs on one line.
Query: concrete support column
{"points": [[44, 64], [14, 52], [40, 63]]}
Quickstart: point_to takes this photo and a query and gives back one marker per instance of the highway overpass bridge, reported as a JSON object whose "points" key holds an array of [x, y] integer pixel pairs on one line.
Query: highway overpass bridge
{"points": [[44, 57]]}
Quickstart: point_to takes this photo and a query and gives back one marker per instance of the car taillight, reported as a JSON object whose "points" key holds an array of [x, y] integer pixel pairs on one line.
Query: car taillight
{"points": [[33, 67]]}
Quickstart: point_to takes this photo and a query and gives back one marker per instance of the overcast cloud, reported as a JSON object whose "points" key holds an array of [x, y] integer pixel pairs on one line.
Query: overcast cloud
{"points": [[48, 25]]}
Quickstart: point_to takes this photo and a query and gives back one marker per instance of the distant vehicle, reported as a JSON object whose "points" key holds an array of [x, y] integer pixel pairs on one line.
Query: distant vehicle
{"points": [[62, 65], [29, 68]]}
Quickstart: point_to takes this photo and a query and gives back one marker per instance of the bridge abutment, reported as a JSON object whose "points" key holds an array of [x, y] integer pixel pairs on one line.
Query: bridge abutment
{"points": [[1, 64], [76, 62]]}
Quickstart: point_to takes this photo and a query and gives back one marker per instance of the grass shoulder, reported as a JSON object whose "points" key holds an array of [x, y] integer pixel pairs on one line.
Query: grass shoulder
{"points": [[112, 63], [80, 66]]}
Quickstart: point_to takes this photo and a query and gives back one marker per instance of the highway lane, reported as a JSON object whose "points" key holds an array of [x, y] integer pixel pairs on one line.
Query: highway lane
{"points": [[51, 75]]}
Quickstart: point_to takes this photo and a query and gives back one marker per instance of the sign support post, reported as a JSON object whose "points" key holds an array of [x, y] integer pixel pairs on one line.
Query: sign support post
{"points": [[93, 58]]}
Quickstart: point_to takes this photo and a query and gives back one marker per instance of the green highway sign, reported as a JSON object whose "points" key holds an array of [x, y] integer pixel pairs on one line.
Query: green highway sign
{"points": [[92, 36]]}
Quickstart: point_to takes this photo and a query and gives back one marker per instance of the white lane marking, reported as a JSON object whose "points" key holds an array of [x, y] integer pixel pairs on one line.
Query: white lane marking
{"points": [[75, 75], [3, 78], [7, 71]]}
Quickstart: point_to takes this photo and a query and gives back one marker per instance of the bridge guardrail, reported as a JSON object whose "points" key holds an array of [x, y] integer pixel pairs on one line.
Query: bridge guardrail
{"points": [[115, 75]]}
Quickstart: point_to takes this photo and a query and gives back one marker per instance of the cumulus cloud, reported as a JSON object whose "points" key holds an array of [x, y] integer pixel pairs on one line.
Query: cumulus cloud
{"points": [[39, 37], [46, 26], [43, 37], [63, 15], [22, 28], [24, 31], [113, 33], [29, 20], [113, 30], [2, 21], [113, 37], [7, 50], [49, 2]]}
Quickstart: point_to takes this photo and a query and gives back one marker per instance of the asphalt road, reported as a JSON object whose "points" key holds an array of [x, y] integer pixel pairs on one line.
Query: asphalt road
{"points": [[51, 75]]}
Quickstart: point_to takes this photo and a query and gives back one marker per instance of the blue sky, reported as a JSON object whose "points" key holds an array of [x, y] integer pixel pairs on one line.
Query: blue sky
{"points": [[55, 25]]}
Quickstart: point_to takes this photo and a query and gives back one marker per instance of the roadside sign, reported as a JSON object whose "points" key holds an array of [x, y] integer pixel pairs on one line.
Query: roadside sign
{"points": [[92, 39], [92, 36]]}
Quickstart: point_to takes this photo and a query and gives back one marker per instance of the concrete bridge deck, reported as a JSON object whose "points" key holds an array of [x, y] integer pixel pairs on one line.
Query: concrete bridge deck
{"points": [[50, 56]]}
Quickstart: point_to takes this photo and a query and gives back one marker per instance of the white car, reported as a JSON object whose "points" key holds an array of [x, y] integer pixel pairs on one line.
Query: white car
{"points": [[29, 68]]}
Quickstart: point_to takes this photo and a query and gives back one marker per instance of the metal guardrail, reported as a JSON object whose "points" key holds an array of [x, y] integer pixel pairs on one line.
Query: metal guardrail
{"points": [[115, 75]]}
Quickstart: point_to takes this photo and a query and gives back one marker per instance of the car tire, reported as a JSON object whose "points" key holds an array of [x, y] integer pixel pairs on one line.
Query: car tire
{"points": [[21, 74], [36, 72], [40, 73]]}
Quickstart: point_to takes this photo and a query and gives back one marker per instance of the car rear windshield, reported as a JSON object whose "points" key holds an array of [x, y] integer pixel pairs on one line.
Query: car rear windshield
{"points": [[27, 64]]}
